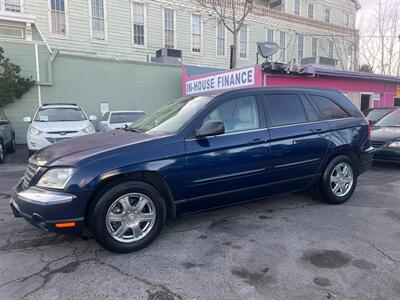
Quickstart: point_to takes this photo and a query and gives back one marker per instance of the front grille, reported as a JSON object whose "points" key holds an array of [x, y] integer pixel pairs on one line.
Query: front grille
{"points": [[377, 144], [55, 140], [61, 132], [30, 172]]}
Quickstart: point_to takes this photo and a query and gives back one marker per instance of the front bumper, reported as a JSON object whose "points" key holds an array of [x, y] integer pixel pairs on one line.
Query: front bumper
{"points": [[386, 154], [43, 208], [37, 142]]}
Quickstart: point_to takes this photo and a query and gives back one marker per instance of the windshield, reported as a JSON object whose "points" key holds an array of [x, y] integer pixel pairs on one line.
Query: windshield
{"points": [[126, 117], [391, 120], [171, 117], [377, 114], [60, 115]]}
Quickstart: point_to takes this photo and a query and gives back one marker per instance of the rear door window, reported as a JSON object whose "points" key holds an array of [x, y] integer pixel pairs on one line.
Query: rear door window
{"points": [[285, 109], [328, 109]]}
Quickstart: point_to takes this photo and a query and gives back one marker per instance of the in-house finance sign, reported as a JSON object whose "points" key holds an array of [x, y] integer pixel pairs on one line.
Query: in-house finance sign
{"points": [[228, 80]]}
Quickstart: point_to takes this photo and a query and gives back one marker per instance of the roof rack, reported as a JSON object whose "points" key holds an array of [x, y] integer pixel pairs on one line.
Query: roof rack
{"points": [[48, 104]]}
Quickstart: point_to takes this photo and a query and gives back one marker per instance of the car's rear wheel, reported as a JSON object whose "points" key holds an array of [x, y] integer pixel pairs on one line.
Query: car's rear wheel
{"points": [[12, 145], [2, 152], [127, 217], [339, 180]]}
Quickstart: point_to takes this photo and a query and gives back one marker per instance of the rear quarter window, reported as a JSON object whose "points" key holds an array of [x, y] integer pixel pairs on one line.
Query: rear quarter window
{"points": [[285, 109], [328, 109]]}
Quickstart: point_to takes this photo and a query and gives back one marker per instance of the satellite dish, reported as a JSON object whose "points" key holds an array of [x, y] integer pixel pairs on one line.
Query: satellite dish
{"points": [[267, 49]]}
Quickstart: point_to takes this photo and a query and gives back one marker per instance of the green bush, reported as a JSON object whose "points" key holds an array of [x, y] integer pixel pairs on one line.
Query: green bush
{"points": [[12, 85]]}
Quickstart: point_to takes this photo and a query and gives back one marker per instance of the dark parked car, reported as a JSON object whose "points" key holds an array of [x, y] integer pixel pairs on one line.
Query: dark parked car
{"points": [[385, 137], [7, 136], [194, 154], [376, 114]]}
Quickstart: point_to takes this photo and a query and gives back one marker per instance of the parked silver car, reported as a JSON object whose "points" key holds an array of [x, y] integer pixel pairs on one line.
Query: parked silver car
{"points": [[7, 136], [118, 119]]}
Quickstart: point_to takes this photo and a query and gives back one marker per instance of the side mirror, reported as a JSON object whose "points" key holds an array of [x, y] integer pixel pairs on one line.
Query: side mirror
{"points": [[27, 120], [210, 128], [92, 118]]}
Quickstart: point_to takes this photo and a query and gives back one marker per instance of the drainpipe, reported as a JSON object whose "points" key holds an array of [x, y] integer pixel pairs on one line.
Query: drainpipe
{"points": [[38, 75], [50, 66]]}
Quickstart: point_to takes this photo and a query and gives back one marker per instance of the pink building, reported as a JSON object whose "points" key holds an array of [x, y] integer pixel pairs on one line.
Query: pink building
{"points": [[366, 90]]}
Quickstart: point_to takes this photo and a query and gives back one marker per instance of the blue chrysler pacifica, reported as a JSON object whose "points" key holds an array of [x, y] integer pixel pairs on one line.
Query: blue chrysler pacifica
{"points": [[194, 154]]}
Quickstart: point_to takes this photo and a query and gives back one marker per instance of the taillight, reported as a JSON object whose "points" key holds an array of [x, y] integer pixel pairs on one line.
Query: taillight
{"points": [[369, 128]]}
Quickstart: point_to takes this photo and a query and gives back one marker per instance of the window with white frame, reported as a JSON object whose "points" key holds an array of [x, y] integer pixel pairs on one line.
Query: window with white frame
{"points": [[346, 20], [220, 38], [270, 35], [12, 5], [12, 32], [327, 15], [138, 23], [58, 18], [349, 57], [243, 35], [296, 8], [169, 28], [282, 46], [314, 47], [98, 20], [300, 48], [310, 10], [196, 33], [331, 49]]}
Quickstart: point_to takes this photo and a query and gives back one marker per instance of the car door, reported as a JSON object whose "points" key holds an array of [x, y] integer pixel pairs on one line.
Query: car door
{"points": [[5, 128], [224, 169], [299, 140]]}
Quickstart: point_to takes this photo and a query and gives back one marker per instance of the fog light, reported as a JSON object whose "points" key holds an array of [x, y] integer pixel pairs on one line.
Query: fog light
{"points": [[65, 225]]}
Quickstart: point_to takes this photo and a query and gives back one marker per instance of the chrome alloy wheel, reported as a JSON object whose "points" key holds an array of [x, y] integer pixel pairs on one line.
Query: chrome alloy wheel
{"points": [[342, 179], [131, 217]]}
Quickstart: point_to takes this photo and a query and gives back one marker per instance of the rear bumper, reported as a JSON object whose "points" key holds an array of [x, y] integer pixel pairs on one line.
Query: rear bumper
{"points": [[40, 207], [366, 159]]}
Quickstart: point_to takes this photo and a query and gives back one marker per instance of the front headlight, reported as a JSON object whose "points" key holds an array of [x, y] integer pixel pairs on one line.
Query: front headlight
{"points": [[394, 145], [56, 178], [89, 129], [34, 130]]}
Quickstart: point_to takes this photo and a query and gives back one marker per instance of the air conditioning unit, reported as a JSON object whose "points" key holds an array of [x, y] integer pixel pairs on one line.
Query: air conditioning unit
{"points": [[151, 58], [169, 56]]}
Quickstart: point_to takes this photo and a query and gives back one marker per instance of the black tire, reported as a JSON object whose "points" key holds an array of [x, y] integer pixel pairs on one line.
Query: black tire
{"points": [[98, 213], [31, 152], [325, 189], [2, 152], [12, 146]]}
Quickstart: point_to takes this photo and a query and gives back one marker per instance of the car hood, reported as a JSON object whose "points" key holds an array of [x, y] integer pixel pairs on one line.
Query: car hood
{"points": [[385, 134], [61, 126], [72, 152]]}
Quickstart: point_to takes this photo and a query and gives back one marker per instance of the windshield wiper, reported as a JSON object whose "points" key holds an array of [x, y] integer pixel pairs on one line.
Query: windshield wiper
{"points": [[132, 129]]}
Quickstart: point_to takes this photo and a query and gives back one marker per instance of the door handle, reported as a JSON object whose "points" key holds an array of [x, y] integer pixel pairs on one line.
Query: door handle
{"points": [[257, 141], [316, 130]]}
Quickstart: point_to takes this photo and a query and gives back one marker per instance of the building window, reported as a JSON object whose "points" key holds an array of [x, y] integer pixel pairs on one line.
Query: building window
{"points": [[330, 49], [282, 46], [98, 20], [58, 19], [296, 8], [220, 38], [243, 35], [12, 5], [327, 15], [349, 57], [169, 28], [270, 35], [300, 48], [11, 32], [196, 33], [138, 23], [314, 47], [346, 20], [310, 9]]}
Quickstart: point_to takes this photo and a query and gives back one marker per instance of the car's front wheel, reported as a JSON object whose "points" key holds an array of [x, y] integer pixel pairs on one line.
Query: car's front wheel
{"points": [[127, 217], [339, 180], [2, 152]]}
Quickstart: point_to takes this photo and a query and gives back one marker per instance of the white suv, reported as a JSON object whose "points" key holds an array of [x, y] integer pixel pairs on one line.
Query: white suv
{"points": [[56, 122]]}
